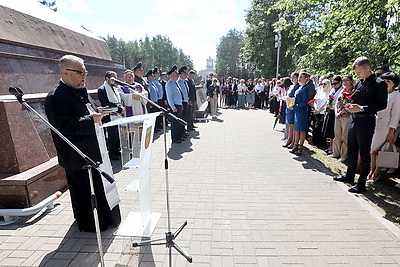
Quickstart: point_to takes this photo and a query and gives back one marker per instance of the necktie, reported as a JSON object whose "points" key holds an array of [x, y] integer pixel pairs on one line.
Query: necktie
{"points": [[180, 91]]}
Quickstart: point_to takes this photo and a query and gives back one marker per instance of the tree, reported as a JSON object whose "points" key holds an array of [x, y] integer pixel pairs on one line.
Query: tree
{"points": [[158, 51], [323, 36], [228, 61], [51, 5]]}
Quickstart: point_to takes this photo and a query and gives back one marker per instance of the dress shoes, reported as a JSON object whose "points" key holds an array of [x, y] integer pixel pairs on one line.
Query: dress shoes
{"points": [[357, 189], [343, 179]]}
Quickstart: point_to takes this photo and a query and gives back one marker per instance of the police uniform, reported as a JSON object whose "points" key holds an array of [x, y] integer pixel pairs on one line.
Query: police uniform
{"points": [[185, 92], [174, 98]]}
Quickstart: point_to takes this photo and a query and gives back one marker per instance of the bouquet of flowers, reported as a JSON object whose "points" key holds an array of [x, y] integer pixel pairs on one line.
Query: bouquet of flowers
{"points": [[345, 98], [329, 104]]}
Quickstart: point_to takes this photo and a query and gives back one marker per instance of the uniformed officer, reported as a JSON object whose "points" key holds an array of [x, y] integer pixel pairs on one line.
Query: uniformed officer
{"points": [[138, 72], [153, 90], [160, 94], [185, 91], [192, 99], [174, 97]]}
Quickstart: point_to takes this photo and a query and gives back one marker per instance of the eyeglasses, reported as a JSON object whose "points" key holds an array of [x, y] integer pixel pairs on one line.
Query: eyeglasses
{"points": [[80, 72]]}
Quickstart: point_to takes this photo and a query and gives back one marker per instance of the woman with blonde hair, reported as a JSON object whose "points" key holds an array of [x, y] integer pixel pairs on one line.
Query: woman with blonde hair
{"points": [[319, 105]]}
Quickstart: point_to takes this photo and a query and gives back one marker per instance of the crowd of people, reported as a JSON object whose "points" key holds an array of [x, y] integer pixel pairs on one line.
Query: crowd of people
{"points": [[352, 120]]}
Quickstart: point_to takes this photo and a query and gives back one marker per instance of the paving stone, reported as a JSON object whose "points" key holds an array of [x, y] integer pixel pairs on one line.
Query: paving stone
{"points": [[247, 201]]}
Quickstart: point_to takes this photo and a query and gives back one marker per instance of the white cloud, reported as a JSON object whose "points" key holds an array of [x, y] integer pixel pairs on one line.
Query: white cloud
{"points": [[194, 26]]}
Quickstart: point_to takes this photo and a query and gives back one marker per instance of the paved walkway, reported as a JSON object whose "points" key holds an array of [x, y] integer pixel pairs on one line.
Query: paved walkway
{"points": [[247, 200]]}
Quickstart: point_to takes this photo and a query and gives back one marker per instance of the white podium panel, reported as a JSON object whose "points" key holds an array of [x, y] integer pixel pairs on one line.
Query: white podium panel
{"points": [[138, 139]]}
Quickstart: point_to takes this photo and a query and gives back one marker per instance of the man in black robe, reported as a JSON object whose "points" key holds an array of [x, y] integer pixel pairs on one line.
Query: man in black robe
{"points": [[66, 109]]}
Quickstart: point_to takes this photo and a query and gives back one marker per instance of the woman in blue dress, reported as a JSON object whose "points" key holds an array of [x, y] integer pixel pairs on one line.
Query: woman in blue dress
{"points": [[301, 113], [290, 112]]}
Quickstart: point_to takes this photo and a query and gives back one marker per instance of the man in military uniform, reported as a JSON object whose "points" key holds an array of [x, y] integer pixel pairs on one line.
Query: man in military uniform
{"points": [[153, 91], [185, 91], [138, 72], [369, 97], [174, 97]]}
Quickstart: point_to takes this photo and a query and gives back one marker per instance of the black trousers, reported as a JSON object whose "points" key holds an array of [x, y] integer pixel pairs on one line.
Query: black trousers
{"points": [[360, 135], [79, 188], [176, 128], [113, 140], [190, 116], [185, 111]]}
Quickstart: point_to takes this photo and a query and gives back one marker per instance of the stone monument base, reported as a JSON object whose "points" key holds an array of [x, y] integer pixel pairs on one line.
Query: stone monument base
{"points": [[28, 188]]}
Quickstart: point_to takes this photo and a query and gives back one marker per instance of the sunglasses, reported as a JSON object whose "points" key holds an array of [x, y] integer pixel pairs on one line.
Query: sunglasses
{"points": [[80, 72], [335, 83]]}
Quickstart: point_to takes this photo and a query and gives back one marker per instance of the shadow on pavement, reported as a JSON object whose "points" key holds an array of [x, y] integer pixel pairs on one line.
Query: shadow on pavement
{"points": [[78, 247]]}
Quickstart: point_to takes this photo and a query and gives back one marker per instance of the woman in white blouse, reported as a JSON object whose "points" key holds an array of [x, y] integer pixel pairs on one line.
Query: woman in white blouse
{"points": [[242, 88], [387, 121], [321, 97]]}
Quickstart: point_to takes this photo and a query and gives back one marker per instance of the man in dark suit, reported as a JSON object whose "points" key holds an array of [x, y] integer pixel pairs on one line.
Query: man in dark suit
{"points": [[109, 96], [369, 97], [192, 100], [66, 109]]}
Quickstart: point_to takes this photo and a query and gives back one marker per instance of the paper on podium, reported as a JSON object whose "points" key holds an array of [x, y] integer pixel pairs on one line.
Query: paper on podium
{"points": [[132, 119]]}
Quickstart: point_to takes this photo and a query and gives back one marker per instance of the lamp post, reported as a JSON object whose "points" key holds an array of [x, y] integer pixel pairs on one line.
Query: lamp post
{"points": [[278, 43]]}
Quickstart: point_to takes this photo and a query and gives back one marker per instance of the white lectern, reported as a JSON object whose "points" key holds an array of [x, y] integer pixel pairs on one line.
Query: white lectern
{"points": [[140, 224]]}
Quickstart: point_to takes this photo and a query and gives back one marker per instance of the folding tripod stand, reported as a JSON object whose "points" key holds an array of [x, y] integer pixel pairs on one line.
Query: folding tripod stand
{"points": [[18, 93], [169, 239]]}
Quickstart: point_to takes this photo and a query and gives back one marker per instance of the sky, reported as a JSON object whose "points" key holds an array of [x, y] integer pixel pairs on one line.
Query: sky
{"points": [[196, 27]]}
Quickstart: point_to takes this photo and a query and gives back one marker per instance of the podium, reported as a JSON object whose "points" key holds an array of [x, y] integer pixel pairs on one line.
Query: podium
{"points": [[136, 137]]}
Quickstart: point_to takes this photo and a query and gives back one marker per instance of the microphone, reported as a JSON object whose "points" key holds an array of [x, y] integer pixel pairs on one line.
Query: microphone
{"points": [[17, 92], [113, 80]]}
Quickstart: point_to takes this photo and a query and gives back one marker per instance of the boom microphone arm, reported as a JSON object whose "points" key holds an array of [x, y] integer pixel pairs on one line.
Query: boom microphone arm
{"points": [[18, 93], [151, 102]]}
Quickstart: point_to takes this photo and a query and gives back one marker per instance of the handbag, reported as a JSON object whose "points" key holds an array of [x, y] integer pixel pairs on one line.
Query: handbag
{"points": [[388, 156]]}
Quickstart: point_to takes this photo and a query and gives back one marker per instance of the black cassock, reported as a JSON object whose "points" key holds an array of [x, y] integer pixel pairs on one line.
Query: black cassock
{"points": [[66, 110]]}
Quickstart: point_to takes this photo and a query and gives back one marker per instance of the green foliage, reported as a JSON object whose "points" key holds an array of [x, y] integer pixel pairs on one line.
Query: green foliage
{"points": [[323, 36], [229, 61], [158, 51]]}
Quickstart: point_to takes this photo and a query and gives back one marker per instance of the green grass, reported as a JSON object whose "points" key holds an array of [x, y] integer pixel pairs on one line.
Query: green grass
{"points": [[383, 195]]}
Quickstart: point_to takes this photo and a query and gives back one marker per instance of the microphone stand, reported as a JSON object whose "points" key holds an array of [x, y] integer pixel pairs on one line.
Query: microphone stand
{"points": [[18, 93], [169, 239]]}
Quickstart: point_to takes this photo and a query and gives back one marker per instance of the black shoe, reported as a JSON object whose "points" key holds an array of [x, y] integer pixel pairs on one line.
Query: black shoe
{"points": [[357, 189], [194, 126], [343, 179]]}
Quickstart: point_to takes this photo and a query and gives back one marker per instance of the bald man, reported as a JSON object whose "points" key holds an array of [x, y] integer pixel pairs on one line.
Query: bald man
{"points": [[66, 108]]}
